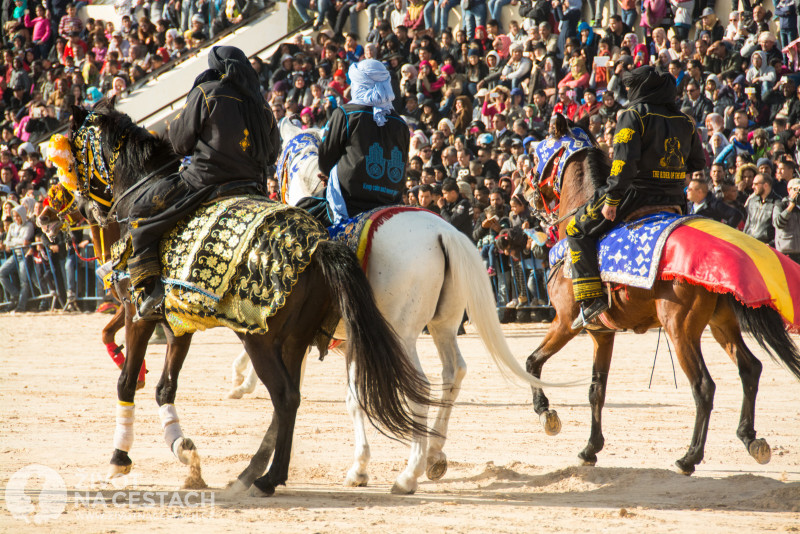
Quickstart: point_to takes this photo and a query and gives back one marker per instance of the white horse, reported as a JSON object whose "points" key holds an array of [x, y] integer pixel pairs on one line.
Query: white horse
{"points": [[423, 272]]}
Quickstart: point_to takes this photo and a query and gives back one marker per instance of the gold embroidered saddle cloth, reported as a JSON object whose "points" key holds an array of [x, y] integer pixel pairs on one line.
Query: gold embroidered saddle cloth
{"points": [[233, 263]]}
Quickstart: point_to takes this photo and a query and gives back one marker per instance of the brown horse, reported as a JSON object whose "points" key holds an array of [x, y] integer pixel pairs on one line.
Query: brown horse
{"points": [[682, 309], [63, 213]]}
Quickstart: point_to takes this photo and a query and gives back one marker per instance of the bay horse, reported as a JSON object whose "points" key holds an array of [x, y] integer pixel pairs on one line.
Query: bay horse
{"points": [[680, 307], [62, 214], [424, 272], [391, 391]]}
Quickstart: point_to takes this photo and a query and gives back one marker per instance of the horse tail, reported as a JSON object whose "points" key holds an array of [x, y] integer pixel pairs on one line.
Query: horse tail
{"points": [[466, 266], [386, 382], [768, 328]]}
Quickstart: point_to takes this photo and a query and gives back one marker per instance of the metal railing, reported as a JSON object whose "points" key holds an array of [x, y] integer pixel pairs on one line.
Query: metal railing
{"points": [[43, 281]]}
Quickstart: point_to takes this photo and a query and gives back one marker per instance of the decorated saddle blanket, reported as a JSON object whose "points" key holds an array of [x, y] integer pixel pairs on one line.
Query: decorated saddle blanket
{"points": [[629, 254], [357, 232], [700, 251], [233, 263], [548, 149]]}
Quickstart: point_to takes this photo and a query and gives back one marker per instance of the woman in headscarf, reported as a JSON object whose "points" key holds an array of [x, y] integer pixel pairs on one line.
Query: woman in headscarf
{"points": [[589, 41], [659, 42], [760, 74], [232, 137], [578, 76], [364, 149]]}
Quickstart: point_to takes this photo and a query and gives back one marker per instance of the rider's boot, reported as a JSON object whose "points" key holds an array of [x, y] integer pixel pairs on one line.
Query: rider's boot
{"points": [[590, 310]]}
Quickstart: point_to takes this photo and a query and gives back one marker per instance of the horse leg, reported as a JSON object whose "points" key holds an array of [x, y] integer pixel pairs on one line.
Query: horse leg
{"points": [[246, 383], [406, 482], [239, 367], [357, 475], [109, 331], [603, 349], [728, 334], [282, 380], [684, 317], [454, 369], [167, 388], [136, 337], [558, 335]]}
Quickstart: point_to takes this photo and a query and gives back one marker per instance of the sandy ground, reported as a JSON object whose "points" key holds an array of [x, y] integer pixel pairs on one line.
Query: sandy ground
{"points": [[57, 399]]}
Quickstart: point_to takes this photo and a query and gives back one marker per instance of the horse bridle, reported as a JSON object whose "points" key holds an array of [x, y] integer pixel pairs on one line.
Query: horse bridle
{"points": [[94, 171]]}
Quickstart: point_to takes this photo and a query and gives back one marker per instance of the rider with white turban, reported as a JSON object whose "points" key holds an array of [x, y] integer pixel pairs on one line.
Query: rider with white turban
{"points": [[364, 149]]}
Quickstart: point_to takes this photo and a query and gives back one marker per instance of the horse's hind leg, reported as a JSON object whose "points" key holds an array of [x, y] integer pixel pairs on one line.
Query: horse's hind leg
{"points": [[454, 368], [727, 332], [684, 317], [177, 349], [137, 335], [357, 474], [603, 349]]}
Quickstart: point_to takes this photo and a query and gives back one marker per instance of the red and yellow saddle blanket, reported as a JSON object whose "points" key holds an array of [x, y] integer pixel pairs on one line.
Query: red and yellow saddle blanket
{"points": [[724, 260]]}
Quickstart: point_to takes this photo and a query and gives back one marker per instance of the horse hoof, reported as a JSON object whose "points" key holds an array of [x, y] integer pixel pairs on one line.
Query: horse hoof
{"points": [[116, 471], [397, 489], [550, 422], [684, 468], [139, 384], [234, 489], [586, 460], [437, 467], [236, 393], [760, 450], [262, 488], [356, 480], [184, 450]]}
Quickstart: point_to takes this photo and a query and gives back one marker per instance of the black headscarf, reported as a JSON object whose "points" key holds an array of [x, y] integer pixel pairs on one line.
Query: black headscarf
{"points": [[231, 66], [647, 86]]}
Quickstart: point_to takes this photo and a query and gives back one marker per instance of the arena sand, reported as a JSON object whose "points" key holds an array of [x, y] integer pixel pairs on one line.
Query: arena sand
{"points": [[58, 393]]}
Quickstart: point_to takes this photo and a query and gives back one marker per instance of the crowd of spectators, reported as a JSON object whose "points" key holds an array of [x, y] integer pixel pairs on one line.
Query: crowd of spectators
{"points": [[477, 97], [53, 59]]}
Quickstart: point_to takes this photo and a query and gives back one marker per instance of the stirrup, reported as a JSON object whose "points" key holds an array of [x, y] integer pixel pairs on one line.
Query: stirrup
{"points": [[151, 306], [589, 313]]}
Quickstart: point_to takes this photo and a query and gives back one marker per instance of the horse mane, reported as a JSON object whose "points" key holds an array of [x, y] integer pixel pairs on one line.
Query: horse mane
{"points": [[140, 151], [596, 164]]}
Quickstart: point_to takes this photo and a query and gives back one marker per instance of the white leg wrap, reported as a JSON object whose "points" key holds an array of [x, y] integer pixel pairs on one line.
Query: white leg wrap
{"points": [[123, 434], [171, 425]]}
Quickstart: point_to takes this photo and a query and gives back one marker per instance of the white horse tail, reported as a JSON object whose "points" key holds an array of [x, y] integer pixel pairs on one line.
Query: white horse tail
{"points": [[464, 263]]}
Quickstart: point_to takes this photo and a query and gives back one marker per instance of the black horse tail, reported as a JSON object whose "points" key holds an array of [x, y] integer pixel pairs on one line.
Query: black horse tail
{"points": [[768, 328], [385, 380]]}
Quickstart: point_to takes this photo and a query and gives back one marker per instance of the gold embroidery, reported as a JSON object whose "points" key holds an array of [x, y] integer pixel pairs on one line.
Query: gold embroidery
{"points": [[245, 143], [616, 167], [575, 255], [623, 136], [572, 230], [673, 159]]}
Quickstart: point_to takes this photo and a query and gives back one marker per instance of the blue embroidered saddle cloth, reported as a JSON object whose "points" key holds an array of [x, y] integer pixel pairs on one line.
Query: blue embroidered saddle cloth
{"points": [[629, 254], [547, 150]]}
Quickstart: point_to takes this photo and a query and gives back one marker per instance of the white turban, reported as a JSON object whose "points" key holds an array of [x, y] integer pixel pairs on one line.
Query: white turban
{"points": [[370, 85]]}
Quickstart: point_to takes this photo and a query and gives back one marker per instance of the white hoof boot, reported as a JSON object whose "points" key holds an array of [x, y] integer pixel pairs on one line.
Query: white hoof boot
{"points": [[550, 422], [437, 466], [354, 479], [405, 485], [182, 448]]}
